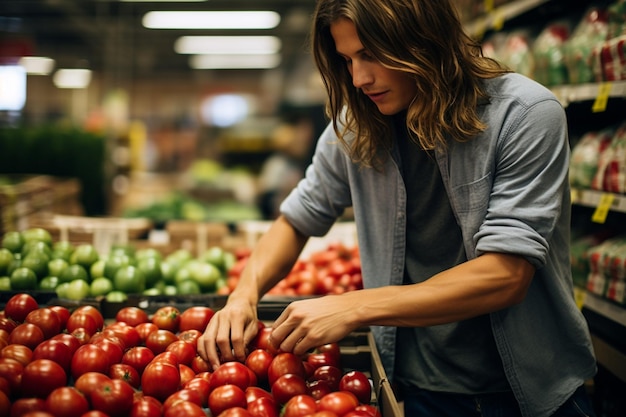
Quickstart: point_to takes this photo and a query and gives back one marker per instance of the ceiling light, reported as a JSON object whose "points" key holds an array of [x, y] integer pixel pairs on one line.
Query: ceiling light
{"points": [[230, 61], [72, 78], [37, 65], [257, 45], [211, 20]]}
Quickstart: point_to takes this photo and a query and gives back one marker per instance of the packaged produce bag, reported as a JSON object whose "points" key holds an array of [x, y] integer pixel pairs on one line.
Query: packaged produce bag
{"points": [[611, 173], [547, 52], [585, 156]]}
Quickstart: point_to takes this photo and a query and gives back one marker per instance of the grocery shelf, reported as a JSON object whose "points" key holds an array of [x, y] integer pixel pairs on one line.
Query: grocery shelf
{"points": [[605, 308], [592, 198], [496, 18], [573, 93]]}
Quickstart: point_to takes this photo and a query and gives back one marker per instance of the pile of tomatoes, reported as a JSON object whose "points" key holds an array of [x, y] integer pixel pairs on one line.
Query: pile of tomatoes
{"points": [[71, 363], [333, 270]]}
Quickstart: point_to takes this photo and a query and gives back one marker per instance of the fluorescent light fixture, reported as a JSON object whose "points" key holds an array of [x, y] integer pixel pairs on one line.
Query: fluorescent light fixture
{"points": [[72, 78], [37, 65], [227, 45], [12, 87], [224, 110], [230, 61], [211, 20]]}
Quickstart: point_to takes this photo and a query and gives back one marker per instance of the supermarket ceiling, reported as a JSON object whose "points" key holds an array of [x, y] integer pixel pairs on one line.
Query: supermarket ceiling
{"points": [[108, 35]]}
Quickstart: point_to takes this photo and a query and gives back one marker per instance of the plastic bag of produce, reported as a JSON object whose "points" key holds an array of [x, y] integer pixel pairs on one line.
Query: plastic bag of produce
{"points": [[578, 49], [611, 173], [548, 54], [585, 156], [517, 52]]}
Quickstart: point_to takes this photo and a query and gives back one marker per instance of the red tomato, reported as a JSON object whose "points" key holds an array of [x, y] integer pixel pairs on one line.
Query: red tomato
{"points": [[7, 324], [259, 361], [184, 394], [288, 386], [160, 380], [159, 340], [226, 396], [357, 383], [19, 305], [93, 312], [11, 370], [70, 341], [331, 374], [55, 350], [5, 386], [299, 406], [22, 354], [369, 409], [132, 316], [263, 407], [195, 318], [184, 409], [138, 357], [233, 372], [184, 351], [253, 393], [94, 413], [82, 335], [146, 407], [89, 381], [200, 365], [235, 412], [144, 330], [168, 357], [262, 341], [112, 348], [126, 373], [89, 357], [67, 402], [85, 321], [127, 334], [318, 388], [63, 313], [285, 363], [5, 404], [46, 319], [42, 376], [189, 336], [203, 388], [114, 397], [27, 334], [186, 374], [327, 354], [22, 406], [167, 318], [340, 402]]}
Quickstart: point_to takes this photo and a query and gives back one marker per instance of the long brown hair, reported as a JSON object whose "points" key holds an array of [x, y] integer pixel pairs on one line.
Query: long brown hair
{"points": [[423, 38]]}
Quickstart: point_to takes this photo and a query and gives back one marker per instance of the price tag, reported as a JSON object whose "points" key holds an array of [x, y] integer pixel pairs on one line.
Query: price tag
{"points": [[603, 208], [579, 296], [488, 5], [497, 21], [602, 99]]}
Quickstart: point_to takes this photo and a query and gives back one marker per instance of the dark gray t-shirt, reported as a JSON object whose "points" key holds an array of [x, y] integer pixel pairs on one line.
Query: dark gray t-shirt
{"points": [[457, 357]]}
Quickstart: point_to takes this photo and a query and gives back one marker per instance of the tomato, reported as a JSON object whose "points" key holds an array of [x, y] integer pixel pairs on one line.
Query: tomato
{"points": [[19, 305], [126, 373], [235, 373], [5, 404], [167, 318], [226, 396], [189, 336], [263, 407], [46, 319], [112, 347], [284, 363], [11, 370], [357, 383], [195, 318], [288, 386], [132, 316], [63, 313], [22, 354], [340, 402], [93, 312], [184, 409], [186, 374], [253, 393], [67, 402], [184, 394], [82, 335], [127, 334], [160, 380], [235, 412], [70, 341], [144, 330], [259, 361], [56, 351], [94, 413], [184, 351], [159, 340], [40, 377], [318, 388], [262, 340], [146, 407], [7, 324], [202, 386], [22, 406], [200, 365], [114, 397], [369, 409], [331, 374], [138, 357], [89, 357], [327, 354], [5, 386], [299, 406], [82, 320], [168, 357], [324, 413], [89, 381], [27, 334]]}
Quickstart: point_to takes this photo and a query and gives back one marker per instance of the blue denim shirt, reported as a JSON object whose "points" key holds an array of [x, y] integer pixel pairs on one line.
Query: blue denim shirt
{"points": [[509, 191]]}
